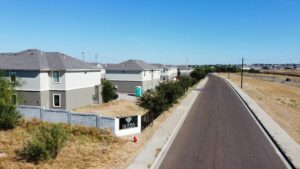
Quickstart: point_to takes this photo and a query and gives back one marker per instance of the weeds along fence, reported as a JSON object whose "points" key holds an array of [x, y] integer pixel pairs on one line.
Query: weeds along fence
{"points": [[63, 116]]}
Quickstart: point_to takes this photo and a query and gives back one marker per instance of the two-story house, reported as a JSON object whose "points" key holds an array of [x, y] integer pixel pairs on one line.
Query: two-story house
{"points": [[52, 79], [131, 73], [168, 72]]}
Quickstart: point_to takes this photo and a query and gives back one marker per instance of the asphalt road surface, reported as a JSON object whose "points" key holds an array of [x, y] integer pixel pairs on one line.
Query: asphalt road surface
{"points": [[219, 132]]}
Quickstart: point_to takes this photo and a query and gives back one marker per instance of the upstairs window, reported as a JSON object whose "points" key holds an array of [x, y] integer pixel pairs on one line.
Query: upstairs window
{"points": [[55, 76]]}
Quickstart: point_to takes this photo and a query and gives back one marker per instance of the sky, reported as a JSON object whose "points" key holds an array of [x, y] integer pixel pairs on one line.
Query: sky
{"points": [[156, 31]]}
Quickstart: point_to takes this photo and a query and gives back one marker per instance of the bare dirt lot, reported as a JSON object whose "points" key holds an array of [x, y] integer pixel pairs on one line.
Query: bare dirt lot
{"points": [[280, 101], [114, 108]]}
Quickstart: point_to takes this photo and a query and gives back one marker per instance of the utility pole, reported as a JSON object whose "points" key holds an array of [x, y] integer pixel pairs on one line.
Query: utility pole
{"points": [[186, 62], [242, 73], [228, 70], [96, 58], [82, 53]]}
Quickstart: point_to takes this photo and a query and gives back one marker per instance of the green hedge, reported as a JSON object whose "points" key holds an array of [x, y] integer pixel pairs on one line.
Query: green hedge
{"points": [[166, 94]]}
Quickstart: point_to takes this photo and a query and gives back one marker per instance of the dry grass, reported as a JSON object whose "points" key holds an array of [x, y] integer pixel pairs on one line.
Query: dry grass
{"points": [[114, 108], [280, 101], [295, 72], [87, 148]]}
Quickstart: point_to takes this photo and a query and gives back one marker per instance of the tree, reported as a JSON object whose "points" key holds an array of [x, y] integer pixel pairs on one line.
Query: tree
{"points": [[108, 91], [153, 102], [9, 116], [170, 91]]}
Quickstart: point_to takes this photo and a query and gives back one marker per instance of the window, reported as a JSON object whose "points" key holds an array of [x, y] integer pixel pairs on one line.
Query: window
{"points": [[13, 76], [56, 100], [55, 76], [14, 99]]}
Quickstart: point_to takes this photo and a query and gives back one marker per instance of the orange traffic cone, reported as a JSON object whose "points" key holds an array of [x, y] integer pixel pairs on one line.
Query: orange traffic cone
{"points": [[135, 139]]}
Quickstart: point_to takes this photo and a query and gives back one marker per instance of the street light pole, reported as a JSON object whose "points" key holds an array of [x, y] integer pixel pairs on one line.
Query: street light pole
{"points": [[242, 73]]}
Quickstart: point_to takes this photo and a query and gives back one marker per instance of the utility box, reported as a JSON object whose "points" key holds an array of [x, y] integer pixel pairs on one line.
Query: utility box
{"points": [[138, 91]]}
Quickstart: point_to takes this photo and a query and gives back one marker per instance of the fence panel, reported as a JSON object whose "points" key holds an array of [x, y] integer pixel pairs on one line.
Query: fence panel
{"points": [[89, 120]]}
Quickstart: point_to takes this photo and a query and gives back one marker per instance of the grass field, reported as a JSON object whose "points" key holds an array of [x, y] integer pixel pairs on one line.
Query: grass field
{"points": [[280, 101], [293, 72]]}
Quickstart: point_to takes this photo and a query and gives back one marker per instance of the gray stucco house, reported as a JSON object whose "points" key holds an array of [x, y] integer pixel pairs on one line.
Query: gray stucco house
{"points": [[52, 79], [131, 73]]}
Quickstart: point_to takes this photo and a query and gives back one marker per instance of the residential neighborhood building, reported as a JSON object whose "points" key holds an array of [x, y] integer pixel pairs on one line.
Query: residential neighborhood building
{"points": [[131, 73], [102, 70], [52, 79], [168, 72]]}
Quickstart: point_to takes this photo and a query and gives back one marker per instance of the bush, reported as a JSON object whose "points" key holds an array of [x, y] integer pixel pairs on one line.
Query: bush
{"points": [[253, 70], [9, 116], [47, 141], [108, 91], [170, 92], [152, 101], [35, 151], [198, 74]]}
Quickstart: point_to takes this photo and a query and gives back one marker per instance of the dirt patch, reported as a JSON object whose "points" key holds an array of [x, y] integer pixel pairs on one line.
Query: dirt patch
{"points": [[280, 101], [114, 108]]}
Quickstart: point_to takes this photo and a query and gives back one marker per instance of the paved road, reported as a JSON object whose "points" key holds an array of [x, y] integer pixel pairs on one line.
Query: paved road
{"points": [[219, 132]]}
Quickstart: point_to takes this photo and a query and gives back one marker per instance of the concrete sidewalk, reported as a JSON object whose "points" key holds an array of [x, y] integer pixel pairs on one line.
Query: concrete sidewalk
{"points": [[287, 143], [158, 146]]}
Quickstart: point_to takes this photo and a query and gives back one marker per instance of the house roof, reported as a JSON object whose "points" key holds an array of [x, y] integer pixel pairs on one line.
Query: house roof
{"points": [[33, 59], [131, 65], [161, 66]]}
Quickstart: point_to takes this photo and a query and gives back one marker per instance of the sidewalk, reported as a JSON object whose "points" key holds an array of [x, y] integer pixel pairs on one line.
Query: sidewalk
{"points": [[158, 146], [290, 147]]}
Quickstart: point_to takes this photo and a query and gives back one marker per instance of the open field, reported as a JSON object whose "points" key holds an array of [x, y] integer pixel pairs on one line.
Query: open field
{"points": [[292, 80], [279, 100], [114, 108], [292, 72]]}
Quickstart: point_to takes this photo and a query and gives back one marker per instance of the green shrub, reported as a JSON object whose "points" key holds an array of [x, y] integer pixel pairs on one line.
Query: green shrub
{"points": [[108, 91], [152, 101], [9, 116], [170, 92], [47, 141], [198, 74], [35, 151]]}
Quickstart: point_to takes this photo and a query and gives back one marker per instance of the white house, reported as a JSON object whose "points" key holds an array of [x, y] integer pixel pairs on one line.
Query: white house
{"points": [[131, 73], [52, 79], [168, 73]]}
